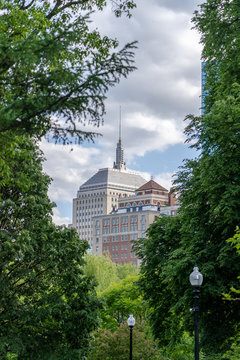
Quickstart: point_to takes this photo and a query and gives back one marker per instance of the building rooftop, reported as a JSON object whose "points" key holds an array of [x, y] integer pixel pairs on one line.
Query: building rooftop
{"points": [[151, 185], [108, 176]]}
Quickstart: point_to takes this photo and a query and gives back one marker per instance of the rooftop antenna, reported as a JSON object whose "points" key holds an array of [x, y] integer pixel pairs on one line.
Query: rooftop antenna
{"points": [[120, 124]]}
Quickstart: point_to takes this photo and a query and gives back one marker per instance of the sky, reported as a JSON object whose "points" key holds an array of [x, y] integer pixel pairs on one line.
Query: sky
{"points": [[154, 101]]}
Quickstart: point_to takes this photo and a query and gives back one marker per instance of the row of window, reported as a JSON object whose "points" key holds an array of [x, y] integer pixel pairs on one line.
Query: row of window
{"points": [[124, 220], [88, 195], [123, 246], [95, 194], [88, 214], [89, 207], [79, 202], [124, 228], [115, 256], [116, 238]]}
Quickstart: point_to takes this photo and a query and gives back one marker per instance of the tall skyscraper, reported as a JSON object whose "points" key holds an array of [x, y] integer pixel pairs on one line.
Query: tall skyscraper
{"points": [[99, 195]]}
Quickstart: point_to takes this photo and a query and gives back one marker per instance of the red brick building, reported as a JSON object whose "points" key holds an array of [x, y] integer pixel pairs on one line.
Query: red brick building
{"points": [[114, 232]]}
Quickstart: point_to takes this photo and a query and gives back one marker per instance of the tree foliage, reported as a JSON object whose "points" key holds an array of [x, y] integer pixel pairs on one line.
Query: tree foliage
{"points": [[209, 190], [48, 306], [115, 345], [55, 69], [102, 269], [105, 271], [120, 300]]}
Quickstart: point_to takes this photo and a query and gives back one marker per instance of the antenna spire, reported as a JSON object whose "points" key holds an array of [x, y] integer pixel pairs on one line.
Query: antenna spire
{"points": [[120, 163], [120, 124]]}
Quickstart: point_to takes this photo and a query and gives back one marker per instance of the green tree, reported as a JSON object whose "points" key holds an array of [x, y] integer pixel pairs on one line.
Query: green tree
{"points": [[54, 69], [119, 300], [110, 345], [127, 269], [105, 271], [48, 306], [156, 283], [209, 190], [102, 269]]}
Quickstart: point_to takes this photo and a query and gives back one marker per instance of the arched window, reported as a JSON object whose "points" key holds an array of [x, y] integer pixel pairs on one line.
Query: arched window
{"points": [[140, 205], [128, 207], [134, 207]]}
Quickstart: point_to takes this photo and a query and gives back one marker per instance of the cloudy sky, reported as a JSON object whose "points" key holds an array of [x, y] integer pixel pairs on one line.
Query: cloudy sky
{"points": [[154, 101]]}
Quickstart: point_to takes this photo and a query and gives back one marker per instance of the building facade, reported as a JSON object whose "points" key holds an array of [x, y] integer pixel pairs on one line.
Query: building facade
{"points": [[114, 233], [99, 195]]}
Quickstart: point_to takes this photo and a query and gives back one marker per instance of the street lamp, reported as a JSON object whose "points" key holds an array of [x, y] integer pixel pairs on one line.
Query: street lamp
{"points": [[131, 323], [196, 280]]}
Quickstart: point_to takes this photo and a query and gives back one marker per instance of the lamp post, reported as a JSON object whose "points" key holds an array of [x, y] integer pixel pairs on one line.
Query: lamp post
{"points": [[131, 323], [196, 280]]}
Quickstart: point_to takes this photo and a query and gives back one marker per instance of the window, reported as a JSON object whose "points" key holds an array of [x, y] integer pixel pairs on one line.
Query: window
{"points": [[125, 255], [97, 240], [122, 247], [125, 246], [124, 228], [115, 229], [143, 227], [97, 248], [134, 206]]}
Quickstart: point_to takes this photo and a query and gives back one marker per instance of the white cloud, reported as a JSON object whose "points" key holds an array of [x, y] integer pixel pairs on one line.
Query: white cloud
{"points": [[147, 133], [164, 179], [60, 220], [69, 166], [154, 99]]}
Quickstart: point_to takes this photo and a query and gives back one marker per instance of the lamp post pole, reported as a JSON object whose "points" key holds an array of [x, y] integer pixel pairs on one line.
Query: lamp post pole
{"points": [[131, 323], [130, 354], [196, 280], [196, 311]]}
